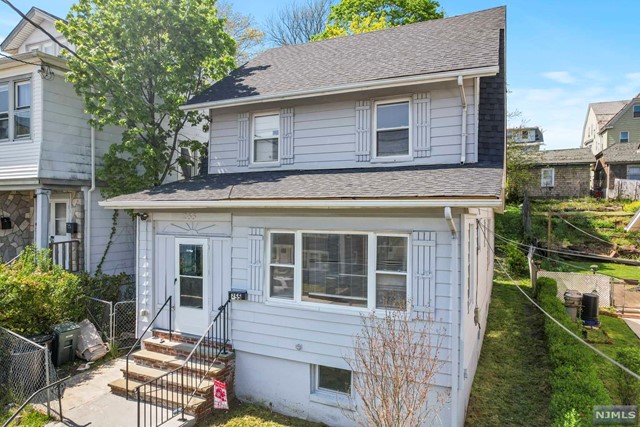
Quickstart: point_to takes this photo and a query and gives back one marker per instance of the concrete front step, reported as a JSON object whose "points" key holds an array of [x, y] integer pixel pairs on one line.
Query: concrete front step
{"points": [[168, 362], [161, 397], [176, 380], [178, 348], [184, 337]]}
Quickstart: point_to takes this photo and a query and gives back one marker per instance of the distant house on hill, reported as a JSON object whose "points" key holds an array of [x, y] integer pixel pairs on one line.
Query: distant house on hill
{"points": [[609, 123], [560, 173], [620, 162], [526, 137]]}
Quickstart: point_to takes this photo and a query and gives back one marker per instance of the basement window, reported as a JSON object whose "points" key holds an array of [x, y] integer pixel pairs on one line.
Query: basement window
{"points": [[332, 380]]}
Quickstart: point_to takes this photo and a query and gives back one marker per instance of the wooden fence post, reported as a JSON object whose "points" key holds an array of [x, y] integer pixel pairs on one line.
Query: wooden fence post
{"points": [[549, 229]]}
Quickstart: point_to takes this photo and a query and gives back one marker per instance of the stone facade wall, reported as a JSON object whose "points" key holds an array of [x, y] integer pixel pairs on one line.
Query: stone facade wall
{"points": [[570, 181], [19, 207]]}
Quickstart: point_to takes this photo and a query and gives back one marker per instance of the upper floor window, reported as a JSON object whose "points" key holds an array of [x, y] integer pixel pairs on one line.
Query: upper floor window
{"points": [[15, 110], [624, 136], [45, 47], [547, 177], [525, 135], [266, 138], [392, 129], [636, 111]]}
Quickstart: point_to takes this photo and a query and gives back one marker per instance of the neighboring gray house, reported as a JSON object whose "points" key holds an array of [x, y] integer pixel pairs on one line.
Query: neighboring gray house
{"points": [[561, 173], [348, 175], [48, 156], [620, 161]]}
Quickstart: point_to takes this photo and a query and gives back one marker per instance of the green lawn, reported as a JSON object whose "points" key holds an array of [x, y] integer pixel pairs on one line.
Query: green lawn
{"points": [[510, 386], [618, 270], [247, 415], [28, 418]]}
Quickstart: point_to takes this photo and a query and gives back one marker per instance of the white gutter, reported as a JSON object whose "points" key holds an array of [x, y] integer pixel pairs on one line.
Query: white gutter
{"points": [[347, 88], [455, 320], [301, 203], [89, 201], [463, 137]]}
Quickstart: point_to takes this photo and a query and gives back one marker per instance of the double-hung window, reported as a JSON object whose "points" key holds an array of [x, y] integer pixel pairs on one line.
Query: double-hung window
{"points": [[392, 129], [547, 177], [636, 111], [15, 110], [266, 138], [354, 269], [624, 136]]}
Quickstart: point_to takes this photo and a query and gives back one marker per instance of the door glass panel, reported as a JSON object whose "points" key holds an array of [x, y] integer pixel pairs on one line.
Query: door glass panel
{"points": [[60, 218], [191, 276]]}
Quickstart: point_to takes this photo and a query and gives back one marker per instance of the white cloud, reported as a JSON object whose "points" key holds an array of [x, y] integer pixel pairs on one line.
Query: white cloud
{"points": [[563, 77], [629, 87]]}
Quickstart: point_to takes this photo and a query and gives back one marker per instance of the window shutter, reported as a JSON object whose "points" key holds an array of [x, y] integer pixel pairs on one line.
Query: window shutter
{"points": [[243, 139], [423, 295], [422, 125], [256, 264], [363, 131], [286, 137]]}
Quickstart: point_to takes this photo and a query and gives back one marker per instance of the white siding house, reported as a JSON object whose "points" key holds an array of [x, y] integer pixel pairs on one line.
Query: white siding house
{"points": [[46, 163], [335, 190]]}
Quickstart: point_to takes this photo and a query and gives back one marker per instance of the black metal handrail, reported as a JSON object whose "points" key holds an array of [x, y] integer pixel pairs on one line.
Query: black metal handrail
{"points": [[169, 390], [24, 405], [139, 340]]}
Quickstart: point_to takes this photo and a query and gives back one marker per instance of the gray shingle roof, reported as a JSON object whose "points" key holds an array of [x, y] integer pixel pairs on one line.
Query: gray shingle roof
{"points": [[622, 152], [567, 156], [455, 43], [365, 183], [605, 111]]}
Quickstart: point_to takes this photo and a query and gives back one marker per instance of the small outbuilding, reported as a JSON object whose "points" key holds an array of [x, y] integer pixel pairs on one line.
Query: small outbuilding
{"points": [[561, 173]]}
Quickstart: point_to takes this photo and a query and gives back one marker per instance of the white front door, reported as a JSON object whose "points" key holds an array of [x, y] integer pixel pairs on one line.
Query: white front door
{"points": [[59, 211], [192, 286]]}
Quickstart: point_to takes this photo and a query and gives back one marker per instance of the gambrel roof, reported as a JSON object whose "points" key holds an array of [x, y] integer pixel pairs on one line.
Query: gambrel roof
{"points": [[465, 42]]}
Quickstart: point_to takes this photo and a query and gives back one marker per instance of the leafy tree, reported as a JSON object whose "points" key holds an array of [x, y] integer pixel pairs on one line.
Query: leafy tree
{"points": [[519, 162], [359, 16], [296, 23], [139, 61]]}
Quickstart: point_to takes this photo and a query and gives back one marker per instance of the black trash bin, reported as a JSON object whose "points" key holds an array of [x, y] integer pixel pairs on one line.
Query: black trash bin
{"points": [[44, 340]]}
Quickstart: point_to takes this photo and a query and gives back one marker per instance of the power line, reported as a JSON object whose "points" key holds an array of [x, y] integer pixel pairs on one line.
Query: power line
{"points": [[19, 60], [557, 322]]}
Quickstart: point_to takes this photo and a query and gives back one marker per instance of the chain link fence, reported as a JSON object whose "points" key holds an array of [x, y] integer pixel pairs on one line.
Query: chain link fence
{"points": [[25, 367], [116, 322]]}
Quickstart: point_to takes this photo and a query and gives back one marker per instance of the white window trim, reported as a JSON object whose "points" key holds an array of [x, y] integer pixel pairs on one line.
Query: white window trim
{"points": [[374, 129], [206, 296], [628, 136], [252, 124], [12, 95], [297, 301], [337, 399], [553, 178]]}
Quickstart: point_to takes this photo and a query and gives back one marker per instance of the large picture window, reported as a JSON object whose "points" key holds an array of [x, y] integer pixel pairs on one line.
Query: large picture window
{"points": [[266, 137], [15, 110], [363, 270], [392, 129]]}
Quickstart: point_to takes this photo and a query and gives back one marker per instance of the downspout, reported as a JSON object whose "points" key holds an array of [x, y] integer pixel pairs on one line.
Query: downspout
{"points": [[455, 321], [89, 201], [463, 137]]}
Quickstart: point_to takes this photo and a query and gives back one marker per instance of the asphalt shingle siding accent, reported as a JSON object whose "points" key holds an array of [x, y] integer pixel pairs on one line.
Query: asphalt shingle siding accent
{"points": [[492, 114], [365, 183], [449, 44]]}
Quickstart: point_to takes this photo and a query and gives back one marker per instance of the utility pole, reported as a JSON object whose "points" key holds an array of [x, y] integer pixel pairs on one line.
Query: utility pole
{"points": [[549, 229]]}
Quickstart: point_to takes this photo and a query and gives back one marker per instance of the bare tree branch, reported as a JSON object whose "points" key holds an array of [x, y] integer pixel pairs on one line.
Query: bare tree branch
{"points": [[244, 31], [296, 23]]}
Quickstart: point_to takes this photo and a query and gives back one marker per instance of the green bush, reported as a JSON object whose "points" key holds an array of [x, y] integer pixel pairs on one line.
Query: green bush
{"points": [[517, 262], [35, 294], [107, 287], [575, 385], [628, 388]]}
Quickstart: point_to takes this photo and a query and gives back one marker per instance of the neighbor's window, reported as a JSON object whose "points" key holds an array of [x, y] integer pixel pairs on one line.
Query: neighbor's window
{"points": [[636, 111], [22, 114], [391, 272], [333, 380], [633, 172], [362, 270], [334, 268], [624, 136], [392, 129], [547, 177], [4, 111], [525, 135], [266, 135], [281, 266]]}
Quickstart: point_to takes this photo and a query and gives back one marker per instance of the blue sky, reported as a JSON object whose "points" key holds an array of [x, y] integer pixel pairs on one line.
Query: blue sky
{"points": [[561, 54]]}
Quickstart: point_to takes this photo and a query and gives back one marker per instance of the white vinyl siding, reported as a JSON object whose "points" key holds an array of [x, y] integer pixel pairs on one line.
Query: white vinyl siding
{"points": [[547, 177], [328, 135]]}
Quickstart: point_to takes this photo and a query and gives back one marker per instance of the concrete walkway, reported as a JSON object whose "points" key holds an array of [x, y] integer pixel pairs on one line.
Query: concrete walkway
{"points": [[88, 401], [634, 324]]}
